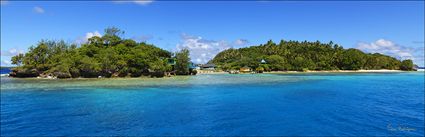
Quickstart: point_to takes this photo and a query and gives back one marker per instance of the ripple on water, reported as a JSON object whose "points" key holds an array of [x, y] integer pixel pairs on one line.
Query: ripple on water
{"points": [[263, 105]]}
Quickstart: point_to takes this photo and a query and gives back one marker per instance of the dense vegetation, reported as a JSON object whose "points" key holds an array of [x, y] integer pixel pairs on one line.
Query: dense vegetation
{"points": [[301, 56], [106, 56]]}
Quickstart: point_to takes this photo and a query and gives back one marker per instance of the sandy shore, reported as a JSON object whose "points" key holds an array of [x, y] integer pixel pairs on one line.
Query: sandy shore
{"points": [[312, 71], [341, 71], [200, 72], [209, 72], [336, 71]]}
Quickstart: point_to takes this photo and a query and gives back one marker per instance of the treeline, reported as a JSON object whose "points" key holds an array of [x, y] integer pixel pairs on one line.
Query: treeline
{"points": [[301, 56], [105, 56]]}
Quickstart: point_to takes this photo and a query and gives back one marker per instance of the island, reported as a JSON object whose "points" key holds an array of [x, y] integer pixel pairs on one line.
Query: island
{"points": [[304, 56], [111, 55], [107, 56]]}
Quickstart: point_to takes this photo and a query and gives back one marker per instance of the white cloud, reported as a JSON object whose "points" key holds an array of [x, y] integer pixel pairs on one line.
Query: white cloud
{"points": [[203, 50], [388, 48], [84, 39], [139, 2], [38, 10], [12, 52], [241, 42], [92, 34], [143, 2], [6, 63]]}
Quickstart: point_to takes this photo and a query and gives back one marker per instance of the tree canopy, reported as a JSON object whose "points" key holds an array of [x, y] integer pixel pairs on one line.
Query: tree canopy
{"points": [[297, 56], [182, 63], [106, 56]]}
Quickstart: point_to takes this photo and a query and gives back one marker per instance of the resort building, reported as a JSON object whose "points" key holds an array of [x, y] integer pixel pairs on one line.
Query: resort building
{"points": [[171, 62], [208, 67], [193, 66]]}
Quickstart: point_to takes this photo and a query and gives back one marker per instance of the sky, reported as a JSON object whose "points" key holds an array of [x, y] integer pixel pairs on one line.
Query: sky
{"points": [[208, 27]]}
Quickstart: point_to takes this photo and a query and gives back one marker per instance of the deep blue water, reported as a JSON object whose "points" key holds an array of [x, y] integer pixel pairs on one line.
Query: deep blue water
{"points": [[4, 70], [266, 104]]}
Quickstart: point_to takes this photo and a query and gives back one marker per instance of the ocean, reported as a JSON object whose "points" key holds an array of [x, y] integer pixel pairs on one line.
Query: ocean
{"points": [[305, 104], [4, 70]]}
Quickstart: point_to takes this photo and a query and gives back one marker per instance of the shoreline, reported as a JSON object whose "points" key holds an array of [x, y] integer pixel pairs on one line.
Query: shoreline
{"points": [[315, 71], [341, 71], [224, 72]]}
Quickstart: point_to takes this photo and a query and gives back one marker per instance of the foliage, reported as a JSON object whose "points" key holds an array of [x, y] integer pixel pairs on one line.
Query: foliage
{"points": [[106, 56], [182, 62], [406, 65], [277, 62], [303, 56], [17, 60]]}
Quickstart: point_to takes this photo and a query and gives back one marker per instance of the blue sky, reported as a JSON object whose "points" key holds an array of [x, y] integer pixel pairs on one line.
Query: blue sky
{"points": [[393, 28]]}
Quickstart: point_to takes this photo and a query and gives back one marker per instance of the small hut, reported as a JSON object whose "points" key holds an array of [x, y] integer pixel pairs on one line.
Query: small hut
{"points": [[245, 69]]}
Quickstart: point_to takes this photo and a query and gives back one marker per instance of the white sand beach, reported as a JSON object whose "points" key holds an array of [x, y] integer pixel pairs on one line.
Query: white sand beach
{"points": [[312, 71]]}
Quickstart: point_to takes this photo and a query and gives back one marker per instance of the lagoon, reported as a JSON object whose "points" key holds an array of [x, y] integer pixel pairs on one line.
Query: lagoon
{"points": [[326, 104]]}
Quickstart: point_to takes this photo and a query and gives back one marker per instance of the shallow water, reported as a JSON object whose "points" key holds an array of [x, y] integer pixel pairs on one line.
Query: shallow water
{"points": [[250, 104]]}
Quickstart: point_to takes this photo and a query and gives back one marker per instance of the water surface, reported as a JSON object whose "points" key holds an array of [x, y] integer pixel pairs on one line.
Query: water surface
{"points": [[252, 104]]}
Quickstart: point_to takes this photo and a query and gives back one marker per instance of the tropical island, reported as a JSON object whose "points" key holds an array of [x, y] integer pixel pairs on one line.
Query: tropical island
{"points": [[105, 56], [113, 56], [305, 56]]}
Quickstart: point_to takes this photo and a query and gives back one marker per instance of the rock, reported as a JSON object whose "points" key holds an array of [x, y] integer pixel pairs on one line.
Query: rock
{"points": [[158, 74], [115, 74], [24, 73]]}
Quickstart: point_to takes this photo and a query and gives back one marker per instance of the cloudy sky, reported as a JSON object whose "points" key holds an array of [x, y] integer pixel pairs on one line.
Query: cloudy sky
{"points": [[206, 28]]}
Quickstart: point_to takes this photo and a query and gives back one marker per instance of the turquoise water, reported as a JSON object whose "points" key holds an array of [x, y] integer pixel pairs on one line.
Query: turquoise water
{"points": [[251, 104]]}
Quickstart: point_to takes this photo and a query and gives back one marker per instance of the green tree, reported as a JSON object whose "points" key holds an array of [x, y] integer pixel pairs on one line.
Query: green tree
{"points": [[353, 59], [407, 65], [182, 62], [276, 62], [112, 36], [109, 55], [158, 65], [89, 67], [297, 55], [17, 60]]}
